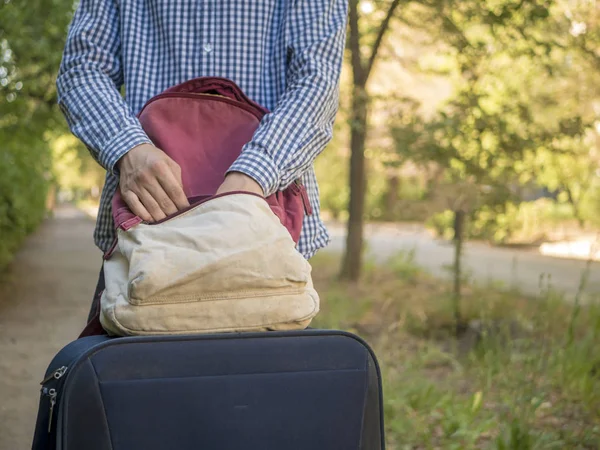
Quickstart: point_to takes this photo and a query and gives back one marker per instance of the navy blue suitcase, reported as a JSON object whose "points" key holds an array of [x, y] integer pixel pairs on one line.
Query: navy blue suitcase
{"points": [[314, 389]]}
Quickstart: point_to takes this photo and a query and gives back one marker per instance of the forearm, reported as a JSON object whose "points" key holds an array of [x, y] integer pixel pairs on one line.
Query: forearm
{"points": [[88, 85], [99, 117], [290, 138]]}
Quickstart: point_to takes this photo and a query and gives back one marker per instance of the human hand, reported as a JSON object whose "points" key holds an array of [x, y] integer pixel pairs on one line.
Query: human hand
{"points": [[150, 183], [237, 181]]}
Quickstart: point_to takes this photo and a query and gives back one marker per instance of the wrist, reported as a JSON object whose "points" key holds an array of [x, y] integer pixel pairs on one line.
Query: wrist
{"points": [[120, 161], [238, 181], [120, 144], [259, 166], [128, 155]]}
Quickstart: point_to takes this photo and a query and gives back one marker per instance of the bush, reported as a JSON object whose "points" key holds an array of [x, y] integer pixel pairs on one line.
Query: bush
{"points": [[442, 224], [398, 199], [511, 381], [591, 206], [23, 188], [527, 222]]}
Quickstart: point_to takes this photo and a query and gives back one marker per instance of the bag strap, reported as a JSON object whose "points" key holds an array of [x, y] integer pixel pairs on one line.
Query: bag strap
{"points": [[215, 86]]}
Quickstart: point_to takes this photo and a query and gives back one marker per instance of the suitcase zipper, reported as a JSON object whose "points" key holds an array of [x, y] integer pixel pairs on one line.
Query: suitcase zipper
{"points": [[57, 374], [52, 393]]}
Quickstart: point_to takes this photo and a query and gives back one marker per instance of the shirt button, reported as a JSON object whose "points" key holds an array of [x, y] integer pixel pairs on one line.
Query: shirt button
{"points": [[208, 47]]}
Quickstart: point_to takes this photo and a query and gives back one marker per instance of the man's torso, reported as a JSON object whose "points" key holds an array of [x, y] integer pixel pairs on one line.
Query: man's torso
{"points": [[166, 43]]}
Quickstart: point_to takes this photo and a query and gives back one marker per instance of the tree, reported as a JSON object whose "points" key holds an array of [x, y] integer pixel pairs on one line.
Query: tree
{"points": [[520, 93], [31, 42], [522, 107], [362, 66]]}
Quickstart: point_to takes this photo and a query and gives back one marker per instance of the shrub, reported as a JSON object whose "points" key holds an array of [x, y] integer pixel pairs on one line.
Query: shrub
{"points": [[23, 189], [527, 222]]}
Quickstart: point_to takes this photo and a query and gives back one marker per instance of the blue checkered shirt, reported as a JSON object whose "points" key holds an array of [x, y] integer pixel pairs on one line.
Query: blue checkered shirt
{"points": [[284, 54]]}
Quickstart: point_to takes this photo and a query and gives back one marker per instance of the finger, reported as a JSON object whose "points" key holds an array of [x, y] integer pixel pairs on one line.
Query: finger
{"points": [[176, 170], [160, 196], [150, 204], [173, 188], [168, 177], [136, 206]]}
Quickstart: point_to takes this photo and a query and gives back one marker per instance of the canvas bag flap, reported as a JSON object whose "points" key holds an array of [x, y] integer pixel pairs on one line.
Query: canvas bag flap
{"points": [[164, 277], [225, 265]]}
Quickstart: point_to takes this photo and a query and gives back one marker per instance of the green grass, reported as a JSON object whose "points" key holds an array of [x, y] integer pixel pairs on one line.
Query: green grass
{"points": [[512, 381]]}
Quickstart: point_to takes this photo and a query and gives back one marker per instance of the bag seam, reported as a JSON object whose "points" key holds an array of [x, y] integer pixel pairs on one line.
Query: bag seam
{"points": [[195, 207], [311, 315], [234, 375], [110, 437], [202, 298], [203, 96], [366, 398]]}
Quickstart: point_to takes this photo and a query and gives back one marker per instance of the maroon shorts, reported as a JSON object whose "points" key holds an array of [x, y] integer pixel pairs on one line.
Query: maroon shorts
{"points": [[93, 327]]}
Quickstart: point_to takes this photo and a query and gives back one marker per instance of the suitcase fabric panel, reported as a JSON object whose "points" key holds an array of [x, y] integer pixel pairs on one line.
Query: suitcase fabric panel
{"points": [[295, 390]]}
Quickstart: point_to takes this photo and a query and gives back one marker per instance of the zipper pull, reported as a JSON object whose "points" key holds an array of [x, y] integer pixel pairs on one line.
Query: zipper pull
{"points": [[56, 375], [304, 195], [52, 394]]}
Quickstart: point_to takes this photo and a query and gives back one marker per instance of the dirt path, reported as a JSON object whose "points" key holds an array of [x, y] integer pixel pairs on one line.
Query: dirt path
{"points": [[505, 267], [44, 300]]}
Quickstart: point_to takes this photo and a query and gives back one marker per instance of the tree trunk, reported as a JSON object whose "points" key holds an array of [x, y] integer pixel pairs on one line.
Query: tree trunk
{"points": [[459, 220], [391, 197], [361, 69], [578, 215], [51, 200], [434, 178], [352, 262]]}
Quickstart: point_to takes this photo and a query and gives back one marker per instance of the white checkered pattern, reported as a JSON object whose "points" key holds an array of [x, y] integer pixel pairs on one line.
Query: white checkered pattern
{"points": [[284, 54]]}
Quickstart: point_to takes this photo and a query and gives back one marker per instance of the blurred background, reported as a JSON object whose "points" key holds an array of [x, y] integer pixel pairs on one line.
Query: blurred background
{"points": [[462, 192]]}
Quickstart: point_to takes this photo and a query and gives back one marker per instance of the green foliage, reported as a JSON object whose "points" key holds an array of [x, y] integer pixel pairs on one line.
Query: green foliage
{"points": [[31, 42], [591, 206], [508, 382], [442, 225], [331, 168], [516, 437], [77, 174], [402, 200], [403, 265], [22, 195], [523, 108], [526, 222]]}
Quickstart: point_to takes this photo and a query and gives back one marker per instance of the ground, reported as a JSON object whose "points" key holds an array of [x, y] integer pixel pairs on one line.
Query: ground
{"points": [[44, 300], [510, 267]]}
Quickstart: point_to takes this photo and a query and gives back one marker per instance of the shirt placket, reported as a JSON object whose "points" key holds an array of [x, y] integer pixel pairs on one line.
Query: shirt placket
{"points": [[206, 12]]}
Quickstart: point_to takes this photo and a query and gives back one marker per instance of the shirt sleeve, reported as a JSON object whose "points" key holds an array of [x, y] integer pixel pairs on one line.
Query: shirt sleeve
{"points": [[88, 84], [289, 139]]}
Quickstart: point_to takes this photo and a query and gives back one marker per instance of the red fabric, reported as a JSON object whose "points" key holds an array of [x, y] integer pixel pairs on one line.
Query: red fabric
{"points": [[93, 328], [205, 135]]}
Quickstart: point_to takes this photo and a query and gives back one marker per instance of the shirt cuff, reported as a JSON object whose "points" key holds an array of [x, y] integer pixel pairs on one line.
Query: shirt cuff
{"points": [[125, 140], [259, 166]]}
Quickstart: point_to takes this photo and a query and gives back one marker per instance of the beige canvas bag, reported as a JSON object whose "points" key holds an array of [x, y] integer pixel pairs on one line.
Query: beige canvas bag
{"points": [[226, 264]]}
